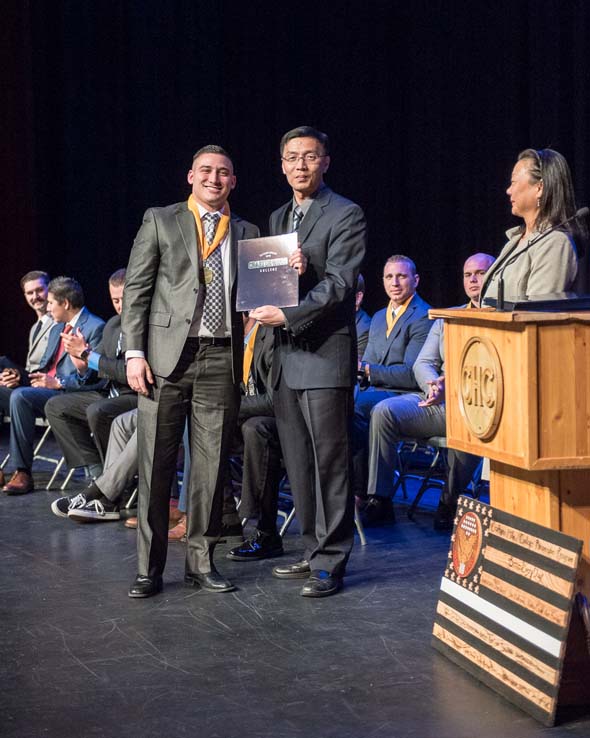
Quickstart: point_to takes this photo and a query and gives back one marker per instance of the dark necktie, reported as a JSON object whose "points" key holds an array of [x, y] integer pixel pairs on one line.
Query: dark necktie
{"points": [[297, 217], [213, 307], [113, 391], [38, 325]]}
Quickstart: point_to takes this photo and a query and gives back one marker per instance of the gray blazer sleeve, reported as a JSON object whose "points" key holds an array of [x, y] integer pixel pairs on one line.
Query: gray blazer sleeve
{"points": [[428, 366]]}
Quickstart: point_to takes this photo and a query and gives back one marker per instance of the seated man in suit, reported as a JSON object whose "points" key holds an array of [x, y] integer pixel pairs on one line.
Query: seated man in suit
{"points": [[81, 421], [396, 336], [422, 414], [57, 373], [262, 467], [34, 287], [362, 318]]}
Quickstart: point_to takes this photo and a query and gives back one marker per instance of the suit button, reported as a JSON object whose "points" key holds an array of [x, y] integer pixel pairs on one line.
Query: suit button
{"points": [[195, 290], [188, 320]]}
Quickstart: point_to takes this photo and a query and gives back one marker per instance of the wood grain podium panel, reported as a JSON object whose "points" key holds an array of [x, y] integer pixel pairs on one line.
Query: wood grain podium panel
{"points": [[545, 365], [505, 604]]}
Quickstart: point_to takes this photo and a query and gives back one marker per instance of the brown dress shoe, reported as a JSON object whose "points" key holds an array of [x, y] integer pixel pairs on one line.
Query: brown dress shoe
{"points": [[178, 533], [131, 522], [2, 479], [20, 483]]}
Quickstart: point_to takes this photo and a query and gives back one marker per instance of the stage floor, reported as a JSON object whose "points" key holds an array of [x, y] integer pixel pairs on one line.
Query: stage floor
{"points": [[79, 658]]}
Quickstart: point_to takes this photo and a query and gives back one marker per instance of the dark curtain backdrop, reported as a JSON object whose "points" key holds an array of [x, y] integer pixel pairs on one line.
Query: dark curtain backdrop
{"points": [[426, 103]]}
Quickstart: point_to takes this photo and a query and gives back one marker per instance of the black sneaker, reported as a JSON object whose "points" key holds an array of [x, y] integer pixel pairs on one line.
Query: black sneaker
{"points": [[62, 506], [377, 511], [259, 546], [95, 511]]}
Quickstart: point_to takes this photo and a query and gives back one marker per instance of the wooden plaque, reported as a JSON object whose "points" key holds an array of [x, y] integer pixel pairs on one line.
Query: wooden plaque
{"points": [[505, 605]]}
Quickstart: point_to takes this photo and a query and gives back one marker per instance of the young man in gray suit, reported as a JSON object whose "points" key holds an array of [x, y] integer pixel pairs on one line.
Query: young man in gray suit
{"points": [[34, 287], [183, 341], [396, 336], [315, 361]]}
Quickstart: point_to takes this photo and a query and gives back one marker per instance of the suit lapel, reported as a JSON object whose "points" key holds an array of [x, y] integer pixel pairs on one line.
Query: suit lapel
{"points": [[188, 232], [314, 213], [236, 234]]}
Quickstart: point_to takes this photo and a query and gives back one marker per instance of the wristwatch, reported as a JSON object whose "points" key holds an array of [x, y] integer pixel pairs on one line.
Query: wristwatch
{"points": [[85, 354]]}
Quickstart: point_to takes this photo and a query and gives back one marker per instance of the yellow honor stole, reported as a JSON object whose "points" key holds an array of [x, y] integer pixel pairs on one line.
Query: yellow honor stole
{"points": [[222, 228], [249, 353], [392, 318]]}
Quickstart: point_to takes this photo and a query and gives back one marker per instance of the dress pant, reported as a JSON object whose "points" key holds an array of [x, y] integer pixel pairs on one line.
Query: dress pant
{"points": [[200, 387], [262, 471], [401, 417], [314, 428], [26, 404], [81, 423], [364, 402], [120, 465]]}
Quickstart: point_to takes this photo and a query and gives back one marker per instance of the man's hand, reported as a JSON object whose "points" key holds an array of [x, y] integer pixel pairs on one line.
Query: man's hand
{"points": [[436, 393], [298, 260], [74, 343], [44, 381], [268, 315], [139, 375], [10, 378]]}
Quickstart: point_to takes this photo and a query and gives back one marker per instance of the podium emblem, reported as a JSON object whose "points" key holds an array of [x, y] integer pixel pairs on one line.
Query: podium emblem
{"points": [[481, 390]]}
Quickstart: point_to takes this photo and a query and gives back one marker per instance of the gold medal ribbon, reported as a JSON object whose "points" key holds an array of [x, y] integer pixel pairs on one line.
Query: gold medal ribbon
{"points": [[222, 228]]}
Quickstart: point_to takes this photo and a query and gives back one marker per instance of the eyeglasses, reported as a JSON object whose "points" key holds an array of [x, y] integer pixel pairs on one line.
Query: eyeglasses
{"points": [[307, 158]]}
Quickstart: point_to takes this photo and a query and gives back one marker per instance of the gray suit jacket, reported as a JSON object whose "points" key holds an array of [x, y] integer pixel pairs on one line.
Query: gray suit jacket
{"points": [[38, 346], [549, 266], [162, 284], [318, 346], [391, 359]]}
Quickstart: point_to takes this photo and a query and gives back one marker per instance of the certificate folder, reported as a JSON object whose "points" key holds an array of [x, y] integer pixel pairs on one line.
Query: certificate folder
{"points": [[264, 274]]}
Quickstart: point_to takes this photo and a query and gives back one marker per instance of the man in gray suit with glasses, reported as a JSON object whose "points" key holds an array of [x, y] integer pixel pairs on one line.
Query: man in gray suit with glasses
{"points": [[315, 361]]}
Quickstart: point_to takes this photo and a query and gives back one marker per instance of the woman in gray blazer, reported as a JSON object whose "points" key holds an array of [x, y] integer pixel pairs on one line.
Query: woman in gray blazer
{"points": [[542, 194]]}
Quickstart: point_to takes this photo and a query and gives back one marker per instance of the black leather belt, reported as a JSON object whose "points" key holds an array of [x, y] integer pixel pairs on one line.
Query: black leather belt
{"points": [[197, 341]]}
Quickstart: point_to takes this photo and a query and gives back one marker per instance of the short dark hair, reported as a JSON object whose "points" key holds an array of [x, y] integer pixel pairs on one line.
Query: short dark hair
{"points": [[117, 279], [557, 201], [67, 288], [306, 132], [405, 259], [213, 149], [32, 276], [360, 283]]}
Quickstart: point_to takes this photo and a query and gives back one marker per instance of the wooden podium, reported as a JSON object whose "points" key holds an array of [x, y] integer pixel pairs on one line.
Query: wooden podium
{"points": [[518, 392]]}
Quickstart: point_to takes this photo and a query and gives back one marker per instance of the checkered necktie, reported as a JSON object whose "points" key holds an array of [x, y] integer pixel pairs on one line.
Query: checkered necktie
{"points": [[213, 307], [297, 217]]}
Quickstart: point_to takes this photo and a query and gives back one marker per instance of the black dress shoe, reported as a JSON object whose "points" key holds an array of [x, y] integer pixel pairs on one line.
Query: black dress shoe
{"points": [[212, 581], [298, 570], [260, 546], [145, 586], [377, 511], [444, 517], [321, 584]]}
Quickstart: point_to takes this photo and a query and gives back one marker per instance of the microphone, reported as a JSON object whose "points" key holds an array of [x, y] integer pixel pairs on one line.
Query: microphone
{"points": [[511, 257]]}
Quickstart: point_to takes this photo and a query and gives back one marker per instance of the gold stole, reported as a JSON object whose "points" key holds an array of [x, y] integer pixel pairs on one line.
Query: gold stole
{"points": [[222, 228], [249, 353], [391, 320]]}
